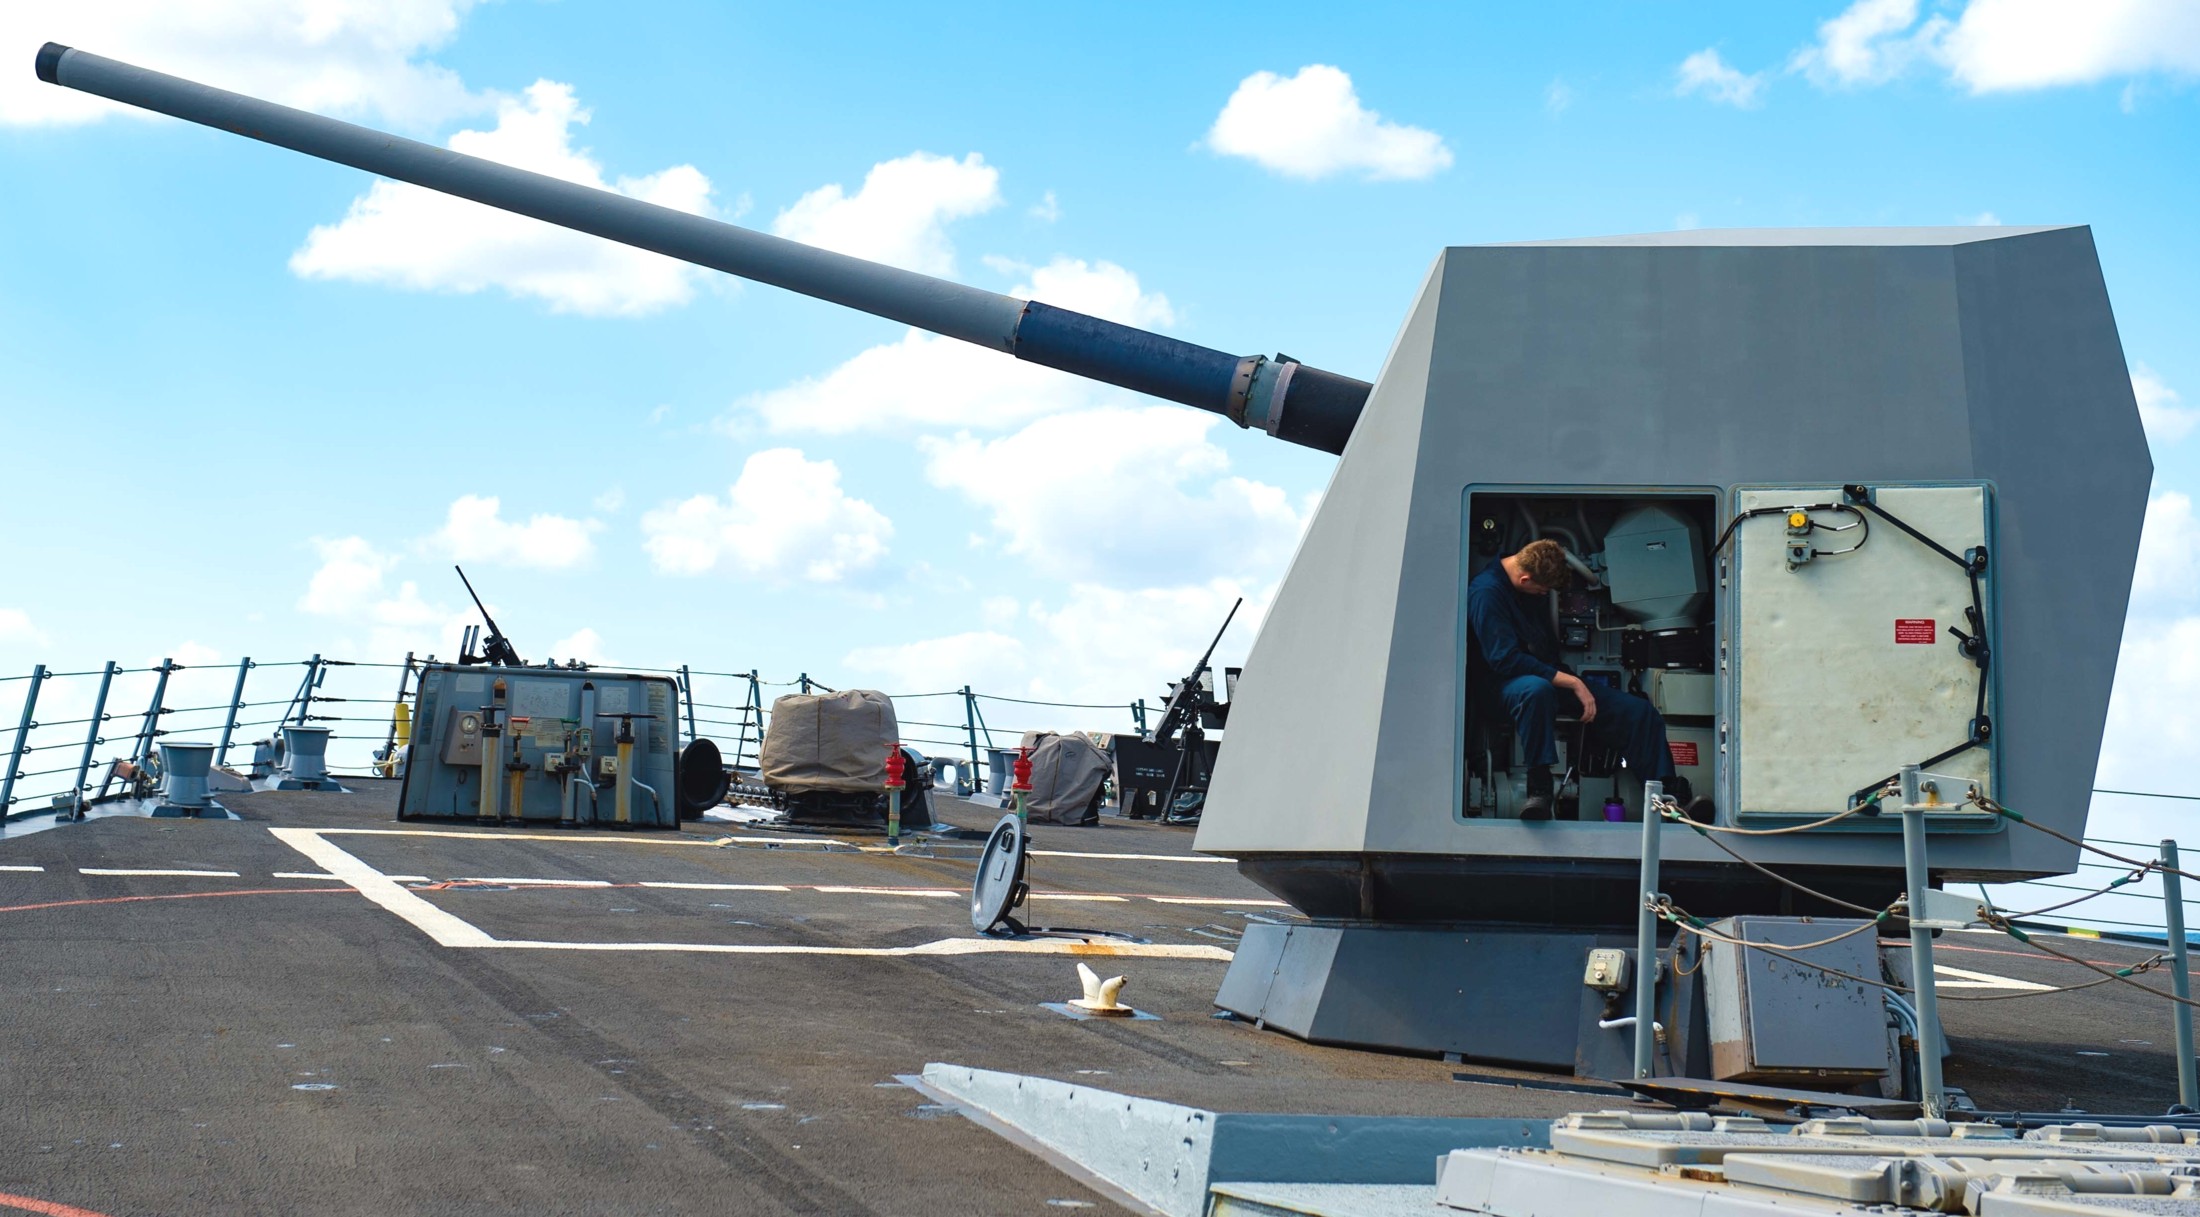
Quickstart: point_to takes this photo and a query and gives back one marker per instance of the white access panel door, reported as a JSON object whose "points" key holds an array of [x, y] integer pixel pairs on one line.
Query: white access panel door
{"points": [[1842, 668]]}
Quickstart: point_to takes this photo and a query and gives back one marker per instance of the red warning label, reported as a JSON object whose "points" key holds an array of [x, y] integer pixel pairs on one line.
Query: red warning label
{"points": [[1919, 630], [1684, 752]]}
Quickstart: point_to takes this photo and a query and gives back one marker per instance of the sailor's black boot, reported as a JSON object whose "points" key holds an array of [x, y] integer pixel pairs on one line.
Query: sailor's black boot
{"points": [[1537, 806]]}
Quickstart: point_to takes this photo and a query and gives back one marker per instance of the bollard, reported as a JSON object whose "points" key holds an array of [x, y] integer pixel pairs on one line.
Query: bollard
{"points": [[1935, 1099], [2180, 975], [75, 810], [1022, 785], [183, 770], [894, 767], [236, 707], [1646, 936], [22, 740]]}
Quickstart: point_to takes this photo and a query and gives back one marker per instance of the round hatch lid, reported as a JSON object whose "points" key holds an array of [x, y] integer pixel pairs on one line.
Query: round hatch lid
{"points": [[1000, 881]]}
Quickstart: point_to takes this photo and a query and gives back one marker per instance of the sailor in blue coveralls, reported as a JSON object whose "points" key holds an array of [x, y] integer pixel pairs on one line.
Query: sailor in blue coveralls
{"points": [[1511, 631]]}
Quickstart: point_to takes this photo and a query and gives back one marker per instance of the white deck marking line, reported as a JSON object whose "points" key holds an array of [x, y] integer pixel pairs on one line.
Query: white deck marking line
{"points": [[939, 946], [23, 869], [1982, 980], [441, 927], [447, 930], [1078, 896], [189, 874], [720, 887], [622, 839], [1247, 901], [1070, 853], [536, 882], [590, 838], [892, 891], [310, 874]]}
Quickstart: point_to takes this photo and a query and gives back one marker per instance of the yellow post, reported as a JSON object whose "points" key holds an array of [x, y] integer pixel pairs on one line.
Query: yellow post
{"points": [[625, 799]]}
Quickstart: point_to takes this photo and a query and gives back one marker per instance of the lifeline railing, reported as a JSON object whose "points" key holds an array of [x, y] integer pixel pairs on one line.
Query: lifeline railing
{"points": [[1926, 910], [88, 735]]}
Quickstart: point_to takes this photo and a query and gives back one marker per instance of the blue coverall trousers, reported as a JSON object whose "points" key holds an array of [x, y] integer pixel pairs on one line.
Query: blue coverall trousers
{"points": [[1624, 722]]}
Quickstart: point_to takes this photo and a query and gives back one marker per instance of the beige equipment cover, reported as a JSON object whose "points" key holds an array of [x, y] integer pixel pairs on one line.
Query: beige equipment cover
{"points": [[1066, 773], [829, 741]]}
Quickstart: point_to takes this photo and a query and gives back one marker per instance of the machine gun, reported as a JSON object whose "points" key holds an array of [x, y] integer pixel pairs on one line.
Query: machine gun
{"points": [[1182, 726], [496, 649]]}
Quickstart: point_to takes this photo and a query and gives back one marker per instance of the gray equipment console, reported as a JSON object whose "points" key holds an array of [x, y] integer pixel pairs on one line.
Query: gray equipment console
{"points": [[553, 745]]}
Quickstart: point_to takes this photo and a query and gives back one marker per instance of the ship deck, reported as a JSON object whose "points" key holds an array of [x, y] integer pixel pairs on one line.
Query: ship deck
{"points": [[332, 1012]]}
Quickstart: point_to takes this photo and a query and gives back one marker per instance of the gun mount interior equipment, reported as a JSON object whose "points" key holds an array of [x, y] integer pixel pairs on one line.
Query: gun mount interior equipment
{"points": [[1911, 459], [1163, 774], [542, 746]]}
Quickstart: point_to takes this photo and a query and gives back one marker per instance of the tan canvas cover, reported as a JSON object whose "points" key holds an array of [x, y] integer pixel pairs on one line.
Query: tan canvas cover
{"points": [[829, 741], [1066, 772]]}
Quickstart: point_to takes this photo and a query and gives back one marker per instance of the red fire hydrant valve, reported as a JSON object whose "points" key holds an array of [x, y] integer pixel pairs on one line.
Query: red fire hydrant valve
{"points": [[1022, 769], [894, 765]]}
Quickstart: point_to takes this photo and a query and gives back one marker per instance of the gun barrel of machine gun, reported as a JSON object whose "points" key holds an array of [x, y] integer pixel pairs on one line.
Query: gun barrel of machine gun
{"points": [[496, 648], [1289, 400], [1183, 701]]}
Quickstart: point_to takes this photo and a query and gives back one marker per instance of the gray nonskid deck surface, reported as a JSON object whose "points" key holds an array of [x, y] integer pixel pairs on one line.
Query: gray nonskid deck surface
{"points": [[198, 1044]]}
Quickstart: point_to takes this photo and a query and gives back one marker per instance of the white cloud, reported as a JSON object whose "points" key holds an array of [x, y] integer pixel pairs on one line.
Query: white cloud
{"points": [[1558, 97], [2166, 582], [582, 644], [1102, 645], [2165, 420], [785, 518], [926, 380], [1103, 494], [349, 577], [1867, 43], [16, 626], [1312, 125], [1984, 219], [1999, 45], [341, 57], [2030, 44], [2151, 729], [611, 500], [474, 531], [1047, 210], [351, 587], [982, 659], [404, 236], [1710, 75], [900, 215]]}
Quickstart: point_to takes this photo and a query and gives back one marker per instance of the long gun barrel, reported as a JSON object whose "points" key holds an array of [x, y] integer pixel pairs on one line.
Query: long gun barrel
{"points": [[1289, 400]]}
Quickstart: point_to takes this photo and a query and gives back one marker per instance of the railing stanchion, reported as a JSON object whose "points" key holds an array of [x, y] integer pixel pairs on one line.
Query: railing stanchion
{"points": [[151, 727], [389, 742], [687, 692], [2180, 976], [1646, 936], [970, 727], [22, 739], [236, 707], [91, 741], [1918, 881]]}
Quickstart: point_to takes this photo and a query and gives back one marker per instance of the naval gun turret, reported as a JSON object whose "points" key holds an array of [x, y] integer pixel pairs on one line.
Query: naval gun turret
{"points": [[1841, 501]]}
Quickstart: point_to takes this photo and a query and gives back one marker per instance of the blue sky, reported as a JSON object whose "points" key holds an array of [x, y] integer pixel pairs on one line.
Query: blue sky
{"points": [[255, 404]]}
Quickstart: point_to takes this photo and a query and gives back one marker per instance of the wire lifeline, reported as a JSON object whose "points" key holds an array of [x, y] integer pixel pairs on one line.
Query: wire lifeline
{"points": [[1990, 805], [1703, 931]]}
